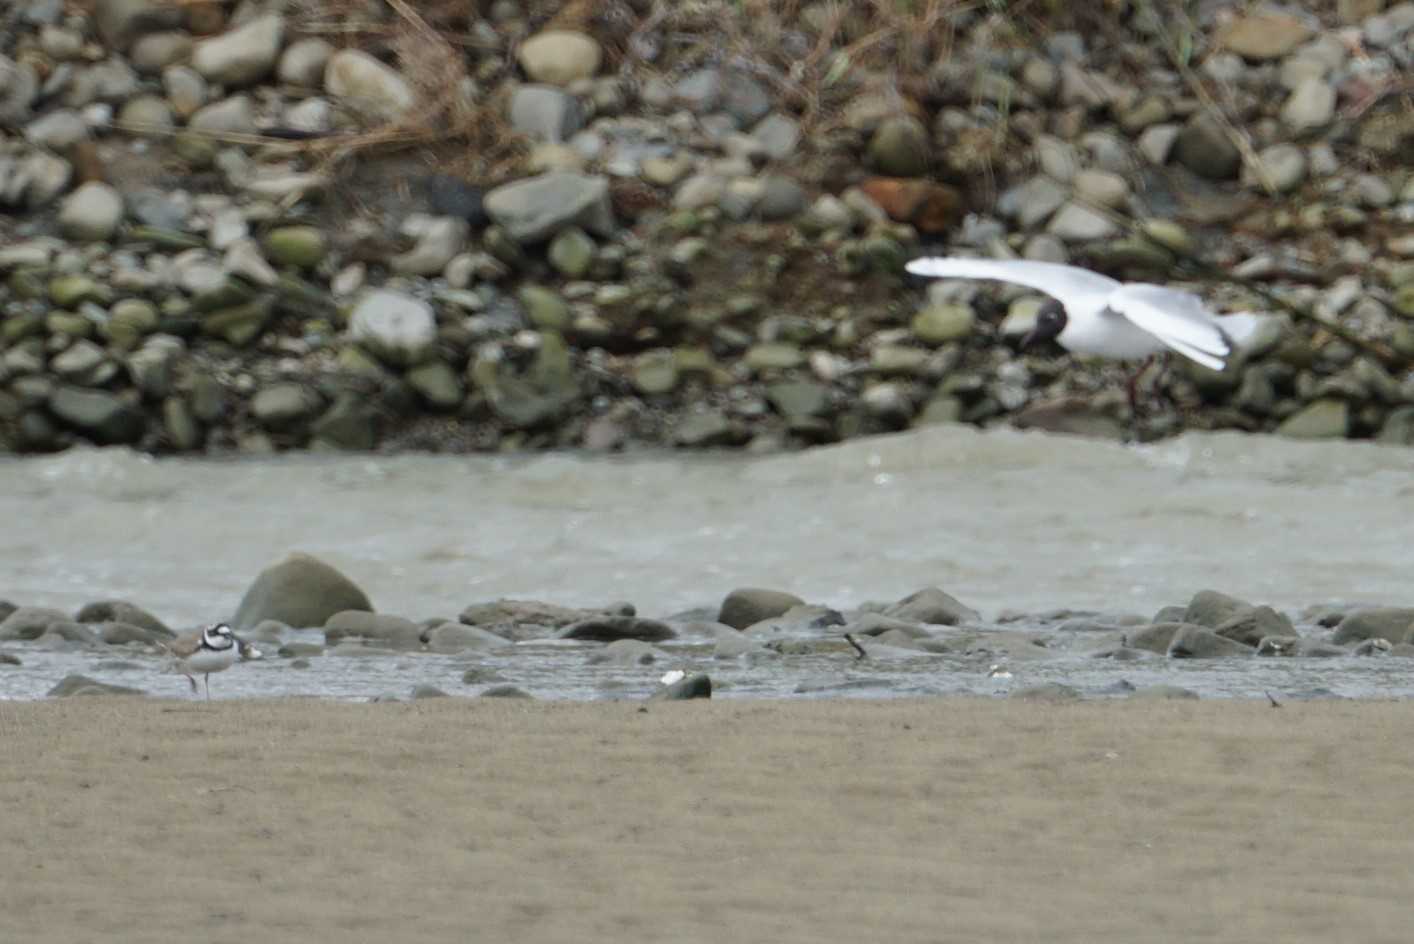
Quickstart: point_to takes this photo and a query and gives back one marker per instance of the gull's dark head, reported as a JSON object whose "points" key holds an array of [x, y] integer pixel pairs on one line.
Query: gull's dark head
{"points": [[1050, 322]]}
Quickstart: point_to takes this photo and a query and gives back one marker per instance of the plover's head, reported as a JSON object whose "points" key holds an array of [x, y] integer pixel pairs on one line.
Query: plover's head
{"points": [[1050, 322], [218, 636]]}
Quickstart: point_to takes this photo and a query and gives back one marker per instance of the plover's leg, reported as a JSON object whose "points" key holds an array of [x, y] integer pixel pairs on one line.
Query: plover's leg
{"points": [[192, 682], [208, 686]]}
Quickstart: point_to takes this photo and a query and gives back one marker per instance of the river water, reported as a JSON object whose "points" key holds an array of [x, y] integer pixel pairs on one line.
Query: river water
{"points": [[1004, 520]]}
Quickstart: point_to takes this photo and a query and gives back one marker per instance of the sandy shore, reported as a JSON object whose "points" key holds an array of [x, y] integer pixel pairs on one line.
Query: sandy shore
{"points": [[943, 820]]}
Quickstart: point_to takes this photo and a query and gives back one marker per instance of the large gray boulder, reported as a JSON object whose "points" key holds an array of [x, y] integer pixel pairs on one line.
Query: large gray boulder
{"points": [[1211, 609], [746, 606], [121, 611], [1385, 622], [1252, 625], [299, 591], [29, 622]]}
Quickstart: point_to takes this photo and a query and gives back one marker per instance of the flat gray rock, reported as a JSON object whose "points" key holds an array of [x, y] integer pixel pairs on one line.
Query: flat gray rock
{"points": [[534, 209], [71, 685]]}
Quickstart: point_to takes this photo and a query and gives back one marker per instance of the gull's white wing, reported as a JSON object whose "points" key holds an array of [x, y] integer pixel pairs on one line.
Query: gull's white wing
{"points": [[1075, 288], [1178, 319]]}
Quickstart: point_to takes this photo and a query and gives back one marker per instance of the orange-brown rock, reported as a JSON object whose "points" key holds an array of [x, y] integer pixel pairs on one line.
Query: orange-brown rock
{"points": [[931, 207]]}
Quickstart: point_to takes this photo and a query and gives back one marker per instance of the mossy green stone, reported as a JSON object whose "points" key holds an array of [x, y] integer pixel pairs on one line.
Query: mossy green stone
{"points": [[900, 147], [130, 320], [656, 372], [350, 424], [18, 327], [1403, 340], [355, 360], [1169, 235], [228, 294], [196, 149], [68, 324], [799, 398], [544, 307], [943, 324], [239, 324], [774, 356], [885, 253], [179, 425], [571, 252], [613, 295], [1328, 418], [686, 252], [695, 360], [28, 284], [301, 246], [67, 291], [896, 359], [1404, 300], [540, 394], [437, 384]]}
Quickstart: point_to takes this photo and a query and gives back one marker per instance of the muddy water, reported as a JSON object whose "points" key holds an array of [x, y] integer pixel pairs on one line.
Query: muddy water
{"points": [[1001, 519]]}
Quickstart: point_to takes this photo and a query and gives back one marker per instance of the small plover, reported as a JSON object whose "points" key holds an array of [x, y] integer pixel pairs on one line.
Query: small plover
{"points": [[213, 649]]}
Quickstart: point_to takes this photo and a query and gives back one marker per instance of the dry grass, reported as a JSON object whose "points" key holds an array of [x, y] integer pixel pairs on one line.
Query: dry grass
{"points": [[938, 820]]}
